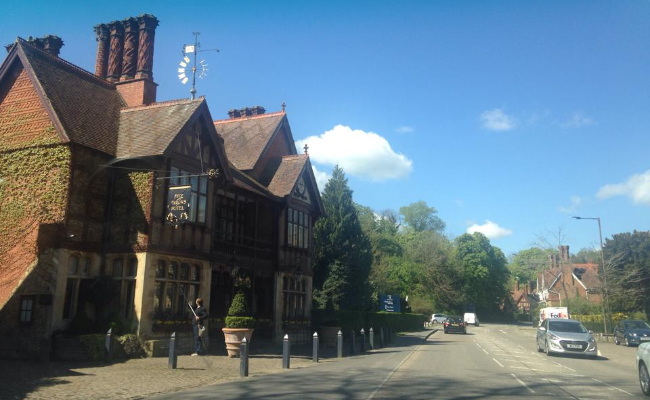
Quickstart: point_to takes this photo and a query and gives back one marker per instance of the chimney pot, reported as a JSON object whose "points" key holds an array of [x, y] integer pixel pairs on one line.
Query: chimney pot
{"points": [[52, 44], [232, 113], [258, 110], [564, 253]]}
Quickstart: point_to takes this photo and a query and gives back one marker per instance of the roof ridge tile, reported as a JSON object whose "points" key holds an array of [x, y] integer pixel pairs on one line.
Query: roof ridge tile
{"points": [[65, 62], [162, 104], [228, 120]]}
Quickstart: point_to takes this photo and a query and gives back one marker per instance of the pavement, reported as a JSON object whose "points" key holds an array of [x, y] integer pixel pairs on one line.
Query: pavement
{"points": [[147, 377]]}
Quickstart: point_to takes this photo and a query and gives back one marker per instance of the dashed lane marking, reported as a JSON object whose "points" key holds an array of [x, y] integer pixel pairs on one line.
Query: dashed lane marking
{"points": [[522, 383], [485, 351], [496, 361]]}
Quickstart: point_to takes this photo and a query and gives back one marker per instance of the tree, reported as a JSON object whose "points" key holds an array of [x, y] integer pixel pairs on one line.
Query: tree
{"points": [[420, 217], [526, 264], [627, 258], [484, 272], [586, 256], [342, 251]]}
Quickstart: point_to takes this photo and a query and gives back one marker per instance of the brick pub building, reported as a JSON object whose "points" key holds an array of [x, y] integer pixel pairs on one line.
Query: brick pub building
{"points": [[86, 162]]}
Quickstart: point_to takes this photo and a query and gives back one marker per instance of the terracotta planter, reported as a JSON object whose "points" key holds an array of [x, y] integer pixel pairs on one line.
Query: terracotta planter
{"points": [[329, 334], [234, 337]]}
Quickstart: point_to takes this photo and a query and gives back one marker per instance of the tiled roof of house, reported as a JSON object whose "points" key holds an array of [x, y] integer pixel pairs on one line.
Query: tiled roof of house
{"points": [[148, 130], [246, 138], [287, 174], [589, 277], [87, 107], [243, 181]]}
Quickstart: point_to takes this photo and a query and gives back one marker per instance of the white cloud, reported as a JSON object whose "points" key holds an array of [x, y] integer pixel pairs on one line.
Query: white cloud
{"points": [[575, 202], [405, 129], [497, 120], [578, 120], [321, 178], [637, 188], [490, 229], [362, 154]]}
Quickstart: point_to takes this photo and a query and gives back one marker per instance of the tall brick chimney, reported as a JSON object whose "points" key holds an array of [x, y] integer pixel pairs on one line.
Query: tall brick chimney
{"points": [[564, 253], [101, 62], [125, 57]]}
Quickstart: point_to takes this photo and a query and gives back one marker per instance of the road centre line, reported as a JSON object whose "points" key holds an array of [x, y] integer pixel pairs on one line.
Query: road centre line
{"points": [[500, 365], [485, 351], [560, 365], [613, 387], [522, 383], [529, 369]]}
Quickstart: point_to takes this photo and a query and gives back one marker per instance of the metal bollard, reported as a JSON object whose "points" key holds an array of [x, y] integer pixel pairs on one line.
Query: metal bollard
{"points": [[372, 339], [314, 355], [243, 362], [108, 345], [339, 345], [173, 356], [285, 352], [353, 345], [362, 345], [381, 337]]}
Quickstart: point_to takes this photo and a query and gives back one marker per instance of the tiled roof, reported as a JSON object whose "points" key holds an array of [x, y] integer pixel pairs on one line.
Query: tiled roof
{"points": [[287, 174], [148, 130], [243, 181], [246, 138], [87, 107], [589, 277]]}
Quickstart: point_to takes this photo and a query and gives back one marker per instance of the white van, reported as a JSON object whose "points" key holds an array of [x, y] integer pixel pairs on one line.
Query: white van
{"points": [[470, 318], [553, 312]]}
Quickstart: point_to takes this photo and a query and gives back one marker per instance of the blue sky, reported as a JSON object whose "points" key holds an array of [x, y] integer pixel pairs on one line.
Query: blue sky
{"points": [[508, 116]]}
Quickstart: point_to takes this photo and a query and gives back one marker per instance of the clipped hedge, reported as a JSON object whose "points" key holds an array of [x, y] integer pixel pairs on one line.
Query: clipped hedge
{"points": [[355, 320], [240, 322]]}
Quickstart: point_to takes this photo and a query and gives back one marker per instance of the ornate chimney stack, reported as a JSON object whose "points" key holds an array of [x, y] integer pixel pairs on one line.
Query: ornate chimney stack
{"points": [[116, 52], [125, 57], [52, 44], [564, 253], [101, 63], [147, 31], [130, 55]]}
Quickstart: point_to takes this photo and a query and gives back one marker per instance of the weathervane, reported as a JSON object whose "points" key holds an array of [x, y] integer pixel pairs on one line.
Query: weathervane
{"points": [[201, 68]]}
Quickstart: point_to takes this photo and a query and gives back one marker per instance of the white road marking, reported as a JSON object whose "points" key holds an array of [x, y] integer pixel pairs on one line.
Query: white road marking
{"points": [[522, 347], [485, 351], [372, 395], [599, 353], [560, 365], [500, 365], [522, 383], [529, 369], [613, 387]]}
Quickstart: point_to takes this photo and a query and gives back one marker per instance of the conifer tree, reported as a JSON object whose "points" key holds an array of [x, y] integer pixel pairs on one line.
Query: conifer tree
{"points": [[342, 251]]}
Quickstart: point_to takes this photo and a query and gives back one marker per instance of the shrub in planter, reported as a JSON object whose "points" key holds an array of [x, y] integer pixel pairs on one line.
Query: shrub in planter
{"points": [[239, 324]]}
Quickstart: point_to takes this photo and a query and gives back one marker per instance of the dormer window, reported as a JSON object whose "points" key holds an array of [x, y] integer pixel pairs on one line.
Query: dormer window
{"points": [[298, 224], [198, 195]]}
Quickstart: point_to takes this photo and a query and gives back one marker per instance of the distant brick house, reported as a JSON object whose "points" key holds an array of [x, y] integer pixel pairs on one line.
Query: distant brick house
{"points": [[523, 298], [86, 162], [564, 280]]}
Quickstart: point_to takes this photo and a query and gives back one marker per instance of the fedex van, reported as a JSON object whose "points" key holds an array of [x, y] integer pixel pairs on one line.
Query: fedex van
{"points": [[553, 312]]}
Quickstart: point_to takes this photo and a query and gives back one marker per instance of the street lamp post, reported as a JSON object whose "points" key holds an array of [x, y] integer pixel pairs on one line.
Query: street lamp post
{"points": [[602, 258]]}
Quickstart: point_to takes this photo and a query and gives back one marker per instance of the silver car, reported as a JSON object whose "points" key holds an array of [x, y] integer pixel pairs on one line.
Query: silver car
{"points": [[565, 336], [643, 363]]}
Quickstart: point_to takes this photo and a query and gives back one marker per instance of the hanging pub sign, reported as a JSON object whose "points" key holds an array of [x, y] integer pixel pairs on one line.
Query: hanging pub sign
{"points": [[178, 204]]}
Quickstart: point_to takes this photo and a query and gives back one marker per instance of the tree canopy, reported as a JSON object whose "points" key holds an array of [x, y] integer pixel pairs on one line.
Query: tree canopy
{"points": [[420, 217]]}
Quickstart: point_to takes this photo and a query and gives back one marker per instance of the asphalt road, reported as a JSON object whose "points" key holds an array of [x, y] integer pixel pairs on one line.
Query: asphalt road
{"points": [[490, 362]]}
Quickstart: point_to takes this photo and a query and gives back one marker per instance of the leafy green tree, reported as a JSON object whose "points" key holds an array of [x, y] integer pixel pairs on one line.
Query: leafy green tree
{"points": [[342, 251], [484, 272], [526, 264], [586, 256], [420, 217]]}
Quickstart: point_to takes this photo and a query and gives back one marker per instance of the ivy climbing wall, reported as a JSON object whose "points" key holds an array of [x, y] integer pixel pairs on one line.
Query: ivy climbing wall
{"points": [[131, 211], [34, 180]]}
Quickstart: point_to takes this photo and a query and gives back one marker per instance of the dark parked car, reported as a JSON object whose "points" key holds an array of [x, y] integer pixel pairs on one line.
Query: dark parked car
{"points": [[455, 323], [632, 332]]}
